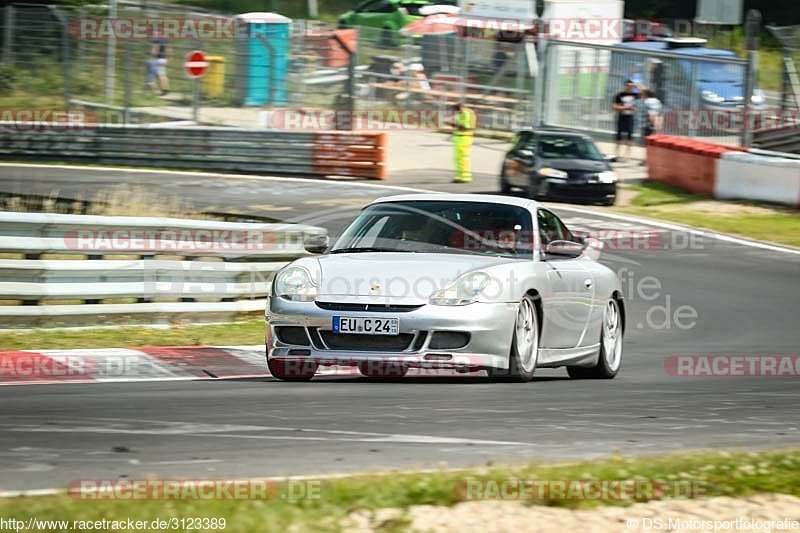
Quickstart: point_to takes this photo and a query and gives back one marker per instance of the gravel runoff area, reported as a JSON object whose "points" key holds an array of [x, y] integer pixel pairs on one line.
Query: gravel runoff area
{"points": [[759, 513]]}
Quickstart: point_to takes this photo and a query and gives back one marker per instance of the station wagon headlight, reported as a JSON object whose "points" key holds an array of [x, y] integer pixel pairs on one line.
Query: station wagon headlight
{"points": [[607, 177], [465, 290], [295, 283], [553, 173]]}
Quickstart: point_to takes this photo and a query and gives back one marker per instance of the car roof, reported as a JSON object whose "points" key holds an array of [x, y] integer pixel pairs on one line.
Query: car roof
{"points": [[555, 132], [452, 197], [662, 46]]}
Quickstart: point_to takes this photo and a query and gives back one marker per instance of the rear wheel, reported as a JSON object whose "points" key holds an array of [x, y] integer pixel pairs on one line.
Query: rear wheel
{"points": [[292, 370], [524, 351], [609, 359], [382, 369]]}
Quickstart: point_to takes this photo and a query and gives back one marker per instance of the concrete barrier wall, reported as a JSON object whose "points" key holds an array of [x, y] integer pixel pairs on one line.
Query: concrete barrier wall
{"points": [[685, 162], [754, 177]]}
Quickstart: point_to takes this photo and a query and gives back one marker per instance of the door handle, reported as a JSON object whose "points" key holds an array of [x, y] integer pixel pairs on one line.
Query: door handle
{"points": [[587, 284]]}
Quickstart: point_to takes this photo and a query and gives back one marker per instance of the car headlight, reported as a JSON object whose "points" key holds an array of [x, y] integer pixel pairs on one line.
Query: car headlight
{"points": [[607, 177], [465, 290], [553, 173], [295, 283], [711, 96]]}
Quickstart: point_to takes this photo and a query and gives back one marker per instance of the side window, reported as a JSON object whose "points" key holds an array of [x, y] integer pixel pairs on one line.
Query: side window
{"points": [[551, 228]]}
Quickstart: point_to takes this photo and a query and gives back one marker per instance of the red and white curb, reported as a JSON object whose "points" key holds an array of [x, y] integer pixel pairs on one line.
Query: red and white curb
{"points": [[149, 363]]}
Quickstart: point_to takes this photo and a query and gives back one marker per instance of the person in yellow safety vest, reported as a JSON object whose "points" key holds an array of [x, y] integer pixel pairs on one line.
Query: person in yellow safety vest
{"points": [[464, 123]]}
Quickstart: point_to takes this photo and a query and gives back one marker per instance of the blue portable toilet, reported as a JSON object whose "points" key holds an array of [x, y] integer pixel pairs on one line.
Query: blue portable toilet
{"points": [[262, 58]]}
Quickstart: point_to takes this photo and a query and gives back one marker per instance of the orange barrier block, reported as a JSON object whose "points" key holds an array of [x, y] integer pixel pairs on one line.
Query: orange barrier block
{"points": [[351, 154]]}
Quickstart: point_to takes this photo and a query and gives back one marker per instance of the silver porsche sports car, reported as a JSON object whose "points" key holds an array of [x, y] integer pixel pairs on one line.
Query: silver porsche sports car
{"points": [[448, 281]]}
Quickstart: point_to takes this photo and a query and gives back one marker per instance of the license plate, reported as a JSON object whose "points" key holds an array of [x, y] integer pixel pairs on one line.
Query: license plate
{"points": [[366, 325]]}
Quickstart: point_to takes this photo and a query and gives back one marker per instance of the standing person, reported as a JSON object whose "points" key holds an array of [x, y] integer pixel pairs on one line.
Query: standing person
{"points": [[624, 104], [464, 122], [652, 117], [158, 55]]}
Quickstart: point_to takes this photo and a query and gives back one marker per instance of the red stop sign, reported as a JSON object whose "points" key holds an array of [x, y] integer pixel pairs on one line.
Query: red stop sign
{"points": [[195, 64]]}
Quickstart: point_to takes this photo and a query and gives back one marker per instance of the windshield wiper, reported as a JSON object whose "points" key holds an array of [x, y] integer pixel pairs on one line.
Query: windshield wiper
{"points": [[362, 249]]}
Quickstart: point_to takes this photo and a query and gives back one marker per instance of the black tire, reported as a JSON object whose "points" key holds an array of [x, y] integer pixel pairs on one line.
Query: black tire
{"points": [[604, 369], [380, 369], [540, 191], [517, 370], [292, 370], [505, 187], [610, 201]]}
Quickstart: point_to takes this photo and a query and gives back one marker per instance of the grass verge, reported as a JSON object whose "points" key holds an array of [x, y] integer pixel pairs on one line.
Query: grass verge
{"points": [[715, 474], [752, 220], [236, 333]]}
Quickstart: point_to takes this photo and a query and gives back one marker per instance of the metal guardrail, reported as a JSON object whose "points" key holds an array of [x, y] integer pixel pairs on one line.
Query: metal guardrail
{"points": [[96, 270], [199, 147], [782, 139]]}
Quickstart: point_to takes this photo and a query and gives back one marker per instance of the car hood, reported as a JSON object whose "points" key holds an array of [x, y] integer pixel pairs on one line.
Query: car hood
{"points": [[398, 277], [576, 165]]}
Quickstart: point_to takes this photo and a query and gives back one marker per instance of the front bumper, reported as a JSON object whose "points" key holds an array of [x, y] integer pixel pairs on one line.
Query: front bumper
{"points": [[489, 328], [589, 191]]}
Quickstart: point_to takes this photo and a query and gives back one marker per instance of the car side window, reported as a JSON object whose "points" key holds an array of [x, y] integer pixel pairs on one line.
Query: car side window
{"points": [[551, 228]]}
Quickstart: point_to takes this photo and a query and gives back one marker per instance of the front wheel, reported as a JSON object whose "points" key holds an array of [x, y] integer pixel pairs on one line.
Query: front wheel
{"points": [[292, 370], [609, 359], [524, 351]]}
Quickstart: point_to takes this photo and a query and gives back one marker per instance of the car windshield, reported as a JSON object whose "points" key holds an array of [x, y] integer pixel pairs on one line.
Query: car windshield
{"points": [[568, 147], [713, 72], [440, 227]]}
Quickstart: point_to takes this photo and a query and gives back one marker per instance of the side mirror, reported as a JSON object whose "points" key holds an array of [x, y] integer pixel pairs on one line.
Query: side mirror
{"points": [[610, 158], [316, 244], [564, 249]]}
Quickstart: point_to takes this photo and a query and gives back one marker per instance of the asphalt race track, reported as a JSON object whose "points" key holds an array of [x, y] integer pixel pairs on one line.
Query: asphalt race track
{"points": [[729, 299]]}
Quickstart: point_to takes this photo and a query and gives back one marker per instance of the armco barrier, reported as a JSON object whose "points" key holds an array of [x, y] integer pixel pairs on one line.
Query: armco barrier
{"points": [[755, 177], [137, 269], [685, 162], [200, 147]]}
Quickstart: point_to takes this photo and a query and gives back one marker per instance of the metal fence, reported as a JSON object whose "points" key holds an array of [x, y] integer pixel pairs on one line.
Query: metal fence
{"points": [[45, 56], [789, 37], [70, 270], [582, 80]]}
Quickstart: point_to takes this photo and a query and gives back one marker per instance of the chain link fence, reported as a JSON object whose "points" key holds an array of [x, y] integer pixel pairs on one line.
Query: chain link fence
{"points": [[789, 37], [66, 58], [699, 95]]}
